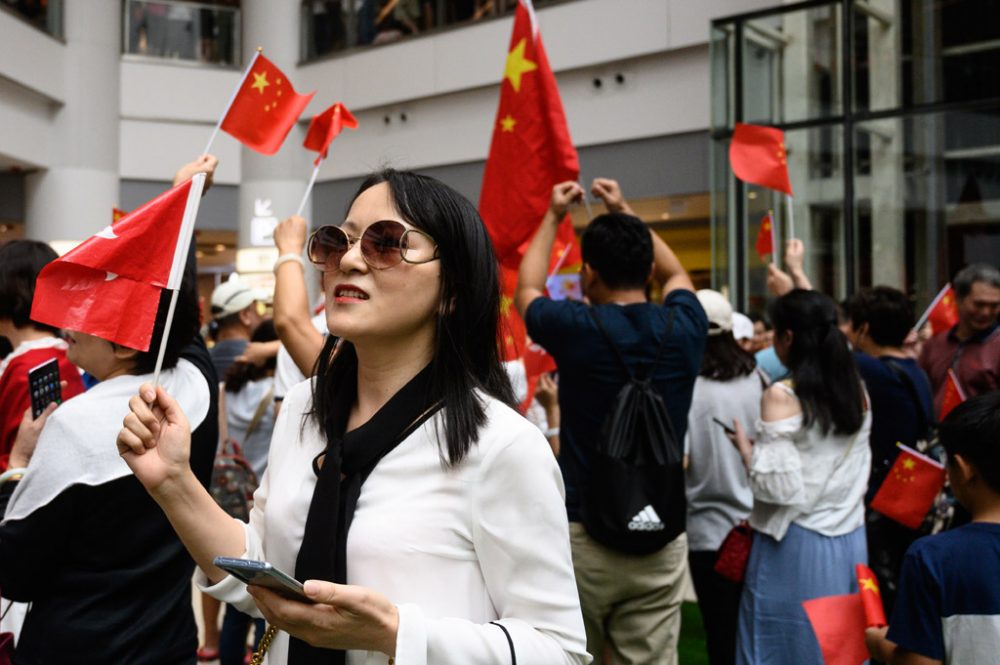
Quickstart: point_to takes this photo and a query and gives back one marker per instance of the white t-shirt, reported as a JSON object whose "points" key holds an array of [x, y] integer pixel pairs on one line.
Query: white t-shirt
{"points": [[454, 548]]}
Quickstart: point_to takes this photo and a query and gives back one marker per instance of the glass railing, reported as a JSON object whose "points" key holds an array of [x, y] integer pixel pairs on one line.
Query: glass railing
{"points": [[188, 31], [336, 25], [46, 15]]}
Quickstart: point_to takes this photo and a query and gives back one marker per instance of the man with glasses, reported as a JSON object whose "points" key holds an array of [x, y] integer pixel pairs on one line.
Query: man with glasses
{"points": [[631, 603]]}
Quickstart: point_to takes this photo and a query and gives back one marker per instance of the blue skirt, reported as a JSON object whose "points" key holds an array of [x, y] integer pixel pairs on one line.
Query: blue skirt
{"points": [[773, 627]]}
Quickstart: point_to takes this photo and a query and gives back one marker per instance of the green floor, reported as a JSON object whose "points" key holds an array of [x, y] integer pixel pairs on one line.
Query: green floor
{"points": [[691, 647]]}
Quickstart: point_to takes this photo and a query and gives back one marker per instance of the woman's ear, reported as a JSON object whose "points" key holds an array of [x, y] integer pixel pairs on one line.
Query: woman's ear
{"points": [[124, 353]]}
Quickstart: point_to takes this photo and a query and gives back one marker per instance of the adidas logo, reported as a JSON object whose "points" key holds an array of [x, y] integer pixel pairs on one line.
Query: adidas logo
{"points": [[646, 520]]}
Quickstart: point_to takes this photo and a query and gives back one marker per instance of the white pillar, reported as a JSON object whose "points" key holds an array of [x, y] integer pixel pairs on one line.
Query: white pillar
{"points": [[73, 198]]}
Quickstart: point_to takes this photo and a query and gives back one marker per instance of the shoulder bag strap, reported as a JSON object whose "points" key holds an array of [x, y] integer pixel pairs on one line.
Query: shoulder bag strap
{"points": [[510, 641], [618, 354], [259, 413]]}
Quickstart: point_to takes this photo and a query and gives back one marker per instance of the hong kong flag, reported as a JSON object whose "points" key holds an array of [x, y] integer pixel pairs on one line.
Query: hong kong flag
{"points": [[110, 284], [265, 107]]}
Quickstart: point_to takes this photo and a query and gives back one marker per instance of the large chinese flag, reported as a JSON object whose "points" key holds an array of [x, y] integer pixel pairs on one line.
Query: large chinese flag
{"points": [[265, 108], [110, 284], [908, 491], [765, 237], [757, 155], [531, 152], [942, 313], [325, 127], [840, 621]]}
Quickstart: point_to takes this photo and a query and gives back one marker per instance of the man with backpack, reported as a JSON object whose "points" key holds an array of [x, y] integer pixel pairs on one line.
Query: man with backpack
{"points": [[627, 369]]}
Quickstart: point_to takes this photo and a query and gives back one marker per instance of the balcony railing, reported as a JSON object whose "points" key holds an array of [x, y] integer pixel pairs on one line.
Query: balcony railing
{"points": [[46, 15], [185, 31]]}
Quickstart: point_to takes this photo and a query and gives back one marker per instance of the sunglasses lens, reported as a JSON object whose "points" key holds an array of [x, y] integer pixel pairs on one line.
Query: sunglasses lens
{"points": [[327, 246], [380, 244]]}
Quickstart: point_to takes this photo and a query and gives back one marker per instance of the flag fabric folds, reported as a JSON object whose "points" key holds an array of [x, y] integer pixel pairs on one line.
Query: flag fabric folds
{"points": [[265, 108], [325, 127], [942, 313], [953, 394], [908, 491], [757, 155], [840, 621], [531, 150], [765, 237], [110, 284]]}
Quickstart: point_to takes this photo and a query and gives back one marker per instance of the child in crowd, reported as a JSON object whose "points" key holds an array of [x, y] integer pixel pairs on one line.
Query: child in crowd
{"points": [[948, 605]]}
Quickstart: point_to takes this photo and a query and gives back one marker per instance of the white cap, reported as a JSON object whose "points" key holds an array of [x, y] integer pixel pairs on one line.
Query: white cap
{"points": [[718, 310], [231, 297], [742, 326]]}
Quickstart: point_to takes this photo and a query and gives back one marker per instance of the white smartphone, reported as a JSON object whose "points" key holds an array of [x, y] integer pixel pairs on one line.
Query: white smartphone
{"points": [[261, 573]]}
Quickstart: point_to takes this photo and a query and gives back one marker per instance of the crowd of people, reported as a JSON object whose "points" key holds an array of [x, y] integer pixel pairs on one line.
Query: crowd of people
{"points": [[435, 514]]}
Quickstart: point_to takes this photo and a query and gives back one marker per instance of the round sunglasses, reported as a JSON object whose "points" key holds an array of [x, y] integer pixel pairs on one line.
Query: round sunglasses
{"points": [[384, 244]]}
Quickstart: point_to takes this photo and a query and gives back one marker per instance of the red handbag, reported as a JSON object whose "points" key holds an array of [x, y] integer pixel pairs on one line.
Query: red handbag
{"points": [[734, 553]]}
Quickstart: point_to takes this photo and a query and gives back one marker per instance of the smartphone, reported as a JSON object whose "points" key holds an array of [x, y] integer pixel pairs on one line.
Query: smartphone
{"points": [[261, 573], [43, 384], [729, 430]]}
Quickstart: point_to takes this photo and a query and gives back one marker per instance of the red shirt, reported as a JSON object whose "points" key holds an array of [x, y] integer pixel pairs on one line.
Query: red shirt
{"points": [[976, 362], [14, 398]]}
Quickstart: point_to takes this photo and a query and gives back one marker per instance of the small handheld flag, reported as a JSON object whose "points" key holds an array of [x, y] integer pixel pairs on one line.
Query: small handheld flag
{"points": [[840, 621], [757, 155], [908, 491], [765, 237]]}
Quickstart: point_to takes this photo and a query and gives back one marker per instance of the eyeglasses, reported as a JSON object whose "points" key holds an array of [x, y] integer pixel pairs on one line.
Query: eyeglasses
{"points": [[384, 244]]}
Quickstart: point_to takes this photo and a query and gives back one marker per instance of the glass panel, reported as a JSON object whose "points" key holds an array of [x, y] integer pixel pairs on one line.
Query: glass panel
{"points": [[791, 66], [910, 52], [46, 16], [932, 198], [199, 32], [720, 56]]}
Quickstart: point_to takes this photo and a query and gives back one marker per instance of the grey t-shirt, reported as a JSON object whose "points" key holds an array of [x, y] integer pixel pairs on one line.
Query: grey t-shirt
{"points": [[717, 487]]}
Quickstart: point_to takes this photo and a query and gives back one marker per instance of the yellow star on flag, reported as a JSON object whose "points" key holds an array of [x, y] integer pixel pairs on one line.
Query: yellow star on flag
{"points": [[517, 65], [909, 464], [260, 82], [505, 303], [507, 123], [868, 584]]}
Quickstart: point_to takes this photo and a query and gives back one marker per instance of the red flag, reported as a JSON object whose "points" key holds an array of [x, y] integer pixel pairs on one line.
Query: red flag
{"points": [[265, 108], [117, 214], [908, 491], [531, 150], [953, 394], [326, 126], [512, 330], [840, 621], [943, 310], [871, 597], [109, 285], [757, 155], [765, 237]]}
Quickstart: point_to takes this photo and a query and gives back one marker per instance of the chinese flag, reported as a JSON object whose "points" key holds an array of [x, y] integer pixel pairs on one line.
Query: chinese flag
{"points": [[908, 492], [536, 363], [757, 155], [765, 237], [953, 394], [531, 150], [326, 126], [117, 214], [110, 284], [512, 330], [840, 621], [943, 311], [265, 108]]}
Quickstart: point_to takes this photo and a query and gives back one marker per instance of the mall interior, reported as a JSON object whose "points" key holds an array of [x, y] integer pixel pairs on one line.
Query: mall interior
{"points": [[891, 113]]}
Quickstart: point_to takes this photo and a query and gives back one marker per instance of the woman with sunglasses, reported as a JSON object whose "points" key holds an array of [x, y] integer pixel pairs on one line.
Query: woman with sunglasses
{"points": [[424, 514]]}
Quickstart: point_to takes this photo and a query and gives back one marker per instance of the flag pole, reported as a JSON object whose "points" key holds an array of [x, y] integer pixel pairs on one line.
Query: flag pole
{"points": [[930, 308], [561, 260], [309, 187], [775, 247], [181, 251], [246, 72], [791, 217]]}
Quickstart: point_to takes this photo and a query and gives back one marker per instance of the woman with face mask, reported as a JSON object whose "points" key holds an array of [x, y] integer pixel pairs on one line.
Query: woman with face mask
{"points": [[424, 514]]}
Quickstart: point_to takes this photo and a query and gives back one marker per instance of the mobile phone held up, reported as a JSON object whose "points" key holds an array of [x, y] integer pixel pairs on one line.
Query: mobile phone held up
{"points": [[261, 573], [43, 384], [729, 430]]}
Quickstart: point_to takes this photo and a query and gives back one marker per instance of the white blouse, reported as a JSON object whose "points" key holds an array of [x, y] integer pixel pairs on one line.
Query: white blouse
{"points": [[815, 480], [454, 548]]}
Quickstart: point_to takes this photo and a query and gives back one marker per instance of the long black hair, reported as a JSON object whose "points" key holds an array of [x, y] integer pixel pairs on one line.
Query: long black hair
{"points": [[467, 354], [724, 359], [826, 378]]}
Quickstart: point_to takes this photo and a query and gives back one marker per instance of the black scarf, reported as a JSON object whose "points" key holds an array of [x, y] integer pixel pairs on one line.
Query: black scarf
{"points": [[349, 459]]}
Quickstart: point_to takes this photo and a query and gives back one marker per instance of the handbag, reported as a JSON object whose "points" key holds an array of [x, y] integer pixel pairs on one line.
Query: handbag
{"points": [[233, 478], [734, 553]]}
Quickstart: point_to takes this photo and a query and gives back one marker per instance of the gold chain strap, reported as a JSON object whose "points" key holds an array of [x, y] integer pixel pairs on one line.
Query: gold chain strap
{"points": [[265, 643]]}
